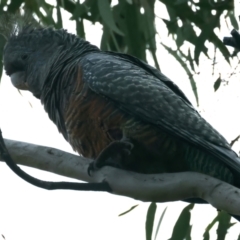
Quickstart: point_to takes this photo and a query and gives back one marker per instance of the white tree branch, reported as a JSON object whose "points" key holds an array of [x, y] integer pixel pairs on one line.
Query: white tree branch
{"points": [[152, 187]]}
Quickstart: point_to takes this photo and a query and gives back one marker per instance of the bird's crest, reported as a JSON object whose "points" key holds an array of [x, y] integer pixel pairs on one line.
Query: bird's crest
{"points": [[13, 24]]}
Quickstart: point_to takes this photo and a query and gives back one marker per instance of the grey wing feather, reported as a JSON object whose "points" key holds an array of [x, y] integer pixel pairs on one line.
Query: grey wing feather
{"points": [[142, 95], [151, 70]]}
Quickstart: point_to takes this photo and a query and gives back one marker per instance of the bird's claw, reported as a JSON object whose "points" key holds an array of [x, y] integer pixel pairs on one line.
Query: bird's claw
{"points": [[92, 167], [113, 155]]}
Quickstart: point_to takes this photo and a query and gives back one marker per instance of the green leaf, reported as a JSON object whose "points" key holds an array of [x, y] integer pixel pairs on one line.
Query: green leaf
{"points": [[172, 26], [234, 140], [206, 34], [190, 35], [48, 8], [105, 39], [233, 20], [217, 84], [14, 6], [188, 235], [150, 220], [80, 28], [2, 44], [171, 12], [87, 10], [224, 224], [79, 11], [190, 60], [238, 237], [206, 235], [159, 222], [180, 38], [185, 67], [92, 5], [129, 210], [59, 17], [2, 5], [106, 14], [131, 22], [181, 228], [148, 28], [47, 20], [179, 2], [219, 44]]}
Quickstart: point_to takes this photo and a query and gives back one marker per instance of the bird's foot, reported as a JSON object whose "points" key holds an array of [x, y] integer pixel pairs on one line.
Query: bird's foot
{"points": [[113, 155]]}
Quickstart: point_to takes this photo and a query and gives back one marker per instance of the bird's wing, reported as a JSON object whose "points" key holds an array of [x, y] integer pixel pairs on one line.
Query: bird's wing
{"points": [[151, 70], [140, 93]]}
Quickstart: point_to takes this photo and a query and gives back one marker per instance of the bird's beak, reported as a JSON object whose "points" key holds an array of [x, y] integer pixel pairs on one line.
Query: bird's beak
{"points": [[18, 80]]}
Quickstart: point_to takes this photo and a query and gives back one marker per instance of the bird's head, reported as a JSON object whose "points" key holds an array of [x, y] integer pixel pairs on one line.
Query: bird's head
{"points": [[29, 54], [33, 54]]}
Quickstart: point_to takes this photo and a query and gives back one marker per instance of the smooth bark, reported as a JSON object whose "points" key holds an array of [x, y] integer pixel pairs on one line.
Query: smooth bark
{"points": [[152, 187]]}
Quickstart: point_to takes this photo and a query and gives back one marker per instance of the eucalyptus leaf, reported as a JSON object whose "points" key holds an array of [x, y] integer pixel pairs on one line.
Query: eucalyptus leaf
{"points": [[80, 28], [159, 223], [129, 210], [2, 43], [217, 84], [181, 228], [206, 235], [199, 46], [186, 68], [224, 225], [79, 11], [106, 14], [180, 38], [233, 20], [150, 220], [59, 17]]}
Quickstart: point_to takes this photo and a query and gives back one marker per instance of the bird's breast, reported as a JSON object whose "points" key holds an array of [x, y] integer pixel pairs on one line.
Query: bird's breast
{"points": [[93, 122]]}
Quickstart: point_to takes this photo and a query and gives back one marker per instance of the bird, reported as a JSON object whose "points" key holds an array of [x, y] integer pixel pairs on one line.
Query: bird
{"points": [[115, 108]]}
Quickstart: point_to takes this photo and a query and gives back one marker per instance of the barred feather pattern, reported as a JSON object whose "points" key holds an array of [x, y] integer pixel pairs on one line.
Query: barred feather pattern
{"points": [[97, 97], [93, 122]]}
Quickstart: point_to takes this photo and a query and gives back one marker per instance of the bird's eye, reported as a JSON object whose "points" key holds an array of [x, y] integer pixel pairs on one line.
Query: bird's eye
{"points": [[24, 56]]}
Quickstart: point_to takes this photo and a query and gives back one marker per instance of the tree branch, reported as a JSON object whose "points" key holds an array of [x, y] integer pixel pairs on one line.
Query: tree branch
{"points": [[152, 187], [95, 186]]}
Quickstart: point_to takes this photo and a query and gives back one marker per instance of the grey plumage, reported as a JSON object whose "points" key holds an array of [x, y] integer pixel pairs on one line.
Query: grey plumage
{"points": [[96, 97]]}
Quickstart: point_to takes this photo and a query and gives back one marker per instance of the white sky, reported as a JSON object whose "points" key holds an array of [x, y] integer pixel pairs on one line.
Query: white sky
{"points": [[27, 212]]}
